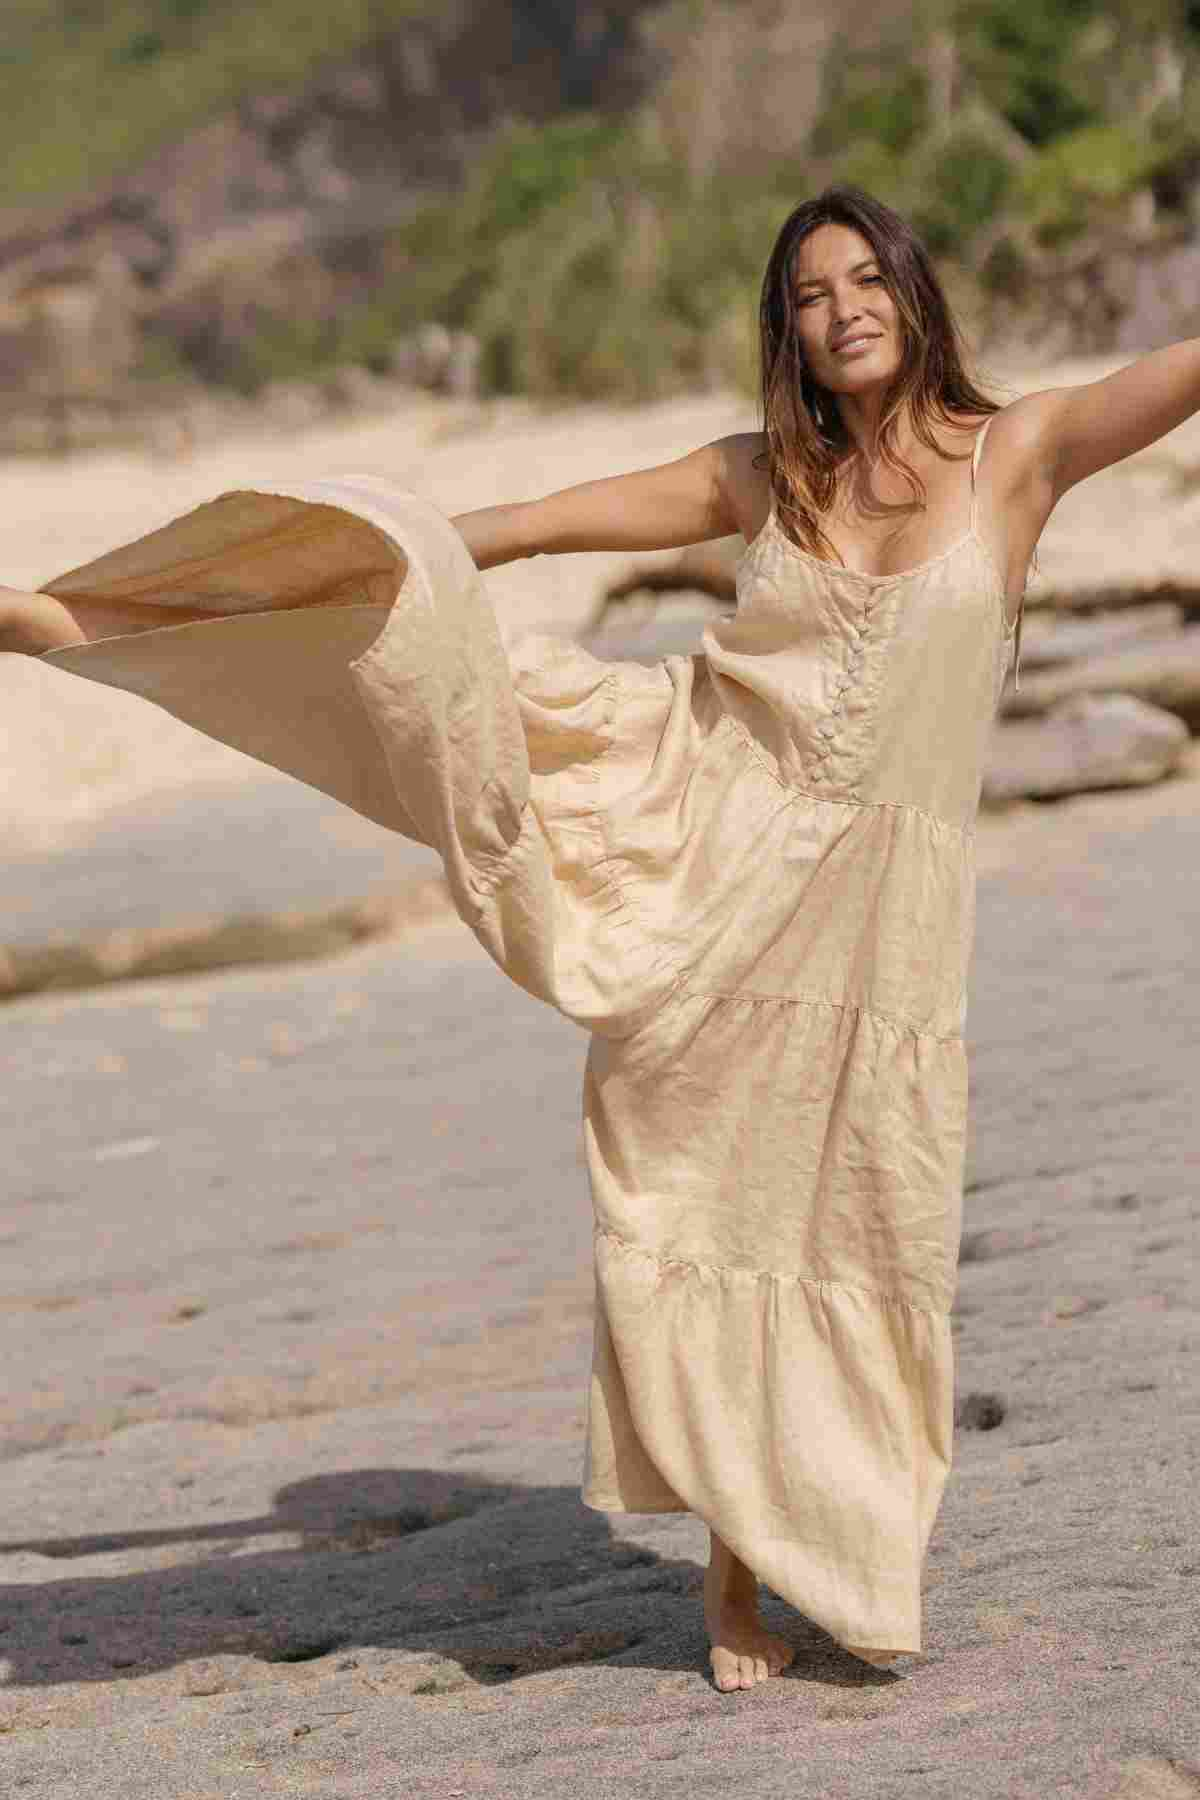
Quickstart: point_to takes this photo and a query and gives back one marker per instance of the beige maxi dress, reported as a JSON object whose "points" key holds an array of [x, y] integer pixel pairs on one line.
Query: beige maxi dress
{"points": [[748, 874]]}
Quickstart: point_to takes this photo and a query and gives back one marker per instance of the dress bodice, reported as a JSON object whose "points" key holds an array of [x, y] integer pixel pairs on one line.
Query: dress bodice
{"points": [[875, 689]]}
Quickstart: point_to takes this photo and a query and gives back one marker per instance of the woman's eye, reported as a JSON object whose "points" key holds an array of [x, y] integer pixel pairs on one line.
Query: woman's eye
{"points": [[868, 280]]}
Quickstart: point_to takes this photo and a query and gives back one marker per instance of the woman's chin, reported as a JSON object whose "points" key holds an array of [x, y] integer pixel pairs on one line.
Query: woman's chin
{"points": [[861, 374]]}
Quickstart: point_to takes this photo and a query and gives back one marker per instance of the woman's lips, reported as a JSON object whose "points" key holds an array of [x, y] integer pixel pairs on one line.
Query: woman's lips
{"points": [[858, 346]]}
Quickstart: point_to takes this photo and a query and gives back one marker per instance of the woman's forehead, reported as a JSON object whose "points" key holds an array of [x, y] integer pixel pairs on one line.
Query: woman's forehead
{"points": [[829, 251]]}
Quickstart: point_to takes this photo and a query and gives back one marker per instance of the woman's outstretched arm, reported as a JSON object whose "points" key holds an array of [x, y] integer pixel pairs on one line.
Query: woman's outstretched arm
{"points": [[663, 508], [699, 496], [1081, 430]]}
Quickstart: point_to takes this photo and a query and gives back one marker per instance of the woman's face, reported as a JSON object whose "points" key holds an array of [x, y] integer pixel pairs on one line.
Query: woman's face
{"points": [[850, 330]]}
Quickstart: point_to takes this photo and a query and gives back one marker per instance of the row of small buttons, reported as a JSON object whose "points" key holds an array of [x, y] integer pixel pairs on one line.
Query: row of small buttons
{"points": [[828, 730]]}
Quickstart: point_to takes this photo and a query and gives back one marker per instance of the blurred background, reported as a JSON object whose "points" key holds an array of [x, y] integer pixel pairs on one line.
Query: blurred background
{"points": [[487, 250], [562, 198], [556, 198]]}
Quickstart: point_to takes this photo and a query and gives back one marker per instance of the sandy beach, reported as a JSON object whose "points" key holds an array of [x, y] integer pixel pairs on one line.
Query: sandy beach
{"points": [[297, 1291]]}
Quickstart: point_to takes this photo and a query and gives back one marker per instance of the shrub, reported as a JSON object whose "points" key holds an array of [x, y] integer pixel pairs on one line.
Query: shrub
{"points": [[1082, 174]]}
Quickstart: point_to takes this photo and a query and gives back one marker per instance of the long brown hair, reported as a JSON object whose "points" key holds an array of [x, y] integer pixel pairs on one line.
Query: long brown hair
{"points": [[806, 439]]}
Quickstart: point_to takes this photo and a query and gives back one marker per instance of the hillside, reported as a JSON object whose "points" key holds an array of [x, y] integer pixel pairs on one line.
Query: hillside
{"points": [[588, 192]]}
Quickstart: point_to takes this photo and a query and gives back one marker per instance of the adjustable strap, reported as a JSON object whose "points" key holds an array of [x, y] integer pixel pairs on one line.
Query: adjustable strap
{"points": [[979, 437]]}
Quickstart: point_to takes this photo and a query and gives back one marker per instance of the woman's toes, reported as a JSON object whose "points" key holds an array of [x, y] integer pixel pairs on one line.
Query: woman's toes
{"points": [[725, 1670]]}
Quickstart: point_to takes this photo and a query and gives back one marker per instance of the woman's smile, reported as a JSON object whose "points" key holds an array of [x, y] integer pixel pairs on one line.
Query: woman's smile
{"points": [[857, 346]]}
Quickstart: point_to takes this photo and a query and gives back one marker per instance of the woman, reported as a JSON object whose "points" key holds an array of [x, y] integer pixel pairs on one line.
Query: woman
{"points": [[748, 873]]}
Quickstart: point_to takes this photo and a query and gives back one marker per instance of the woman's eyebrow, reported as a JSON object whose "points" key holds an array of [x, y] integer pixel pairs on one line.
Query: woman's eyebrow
{"points": [[819, 280]]}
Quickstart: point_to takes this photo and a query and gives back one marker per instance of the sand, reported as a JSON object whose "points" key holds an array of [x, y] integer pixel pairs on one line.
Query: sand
{"points": [[296, 1303]]}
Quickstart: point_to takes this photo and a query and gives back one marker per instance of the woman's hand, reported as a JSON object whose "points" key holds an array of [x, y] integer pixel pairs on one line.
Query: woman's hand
{"points": [[31, 624]]}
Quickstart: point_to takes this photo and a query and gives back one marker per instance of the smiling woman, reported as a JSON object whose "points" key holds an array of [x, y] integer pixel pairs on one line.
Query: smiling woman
{"points": [[852, 307], [748, 873]]}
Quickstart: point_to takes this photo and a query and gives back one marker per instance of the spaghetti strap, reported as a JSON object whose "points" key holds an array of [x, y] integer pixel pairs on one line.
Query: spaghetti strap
{"points": [[975, 454]]}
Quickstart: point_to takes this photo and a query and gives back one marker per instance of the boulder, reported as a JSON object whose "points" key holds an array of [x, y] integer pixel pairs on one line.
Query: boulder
{"points": [[709, 568], [1163, 671], [1087, 741], [1050, 638]]}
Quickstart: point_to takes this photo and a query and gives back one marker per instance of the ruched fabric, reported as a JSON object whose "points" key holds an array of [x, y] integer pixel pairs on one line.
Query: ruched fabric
{"points": [[748, 874]]}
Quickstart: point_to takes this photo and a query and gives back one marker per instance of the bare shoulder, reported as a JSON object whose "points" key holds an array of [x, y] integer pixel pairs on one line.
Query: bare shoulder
{"points": [[744, 479], [1017, 440]]}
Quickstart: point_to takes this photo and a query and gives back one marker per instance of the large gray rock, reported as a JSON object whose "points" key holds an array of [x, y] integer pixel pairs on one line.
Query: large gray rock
{"points": [[1049, 638], [1088, 741], [1164, 671]]}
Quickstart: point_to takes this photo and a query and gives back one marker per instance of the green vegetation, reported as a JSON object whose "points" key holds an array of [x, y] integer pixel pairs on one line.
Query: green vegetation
{"points": [[141, 72], [1030, 61], [1052, 117], [599, 256], [589, 261], [583, 260]]}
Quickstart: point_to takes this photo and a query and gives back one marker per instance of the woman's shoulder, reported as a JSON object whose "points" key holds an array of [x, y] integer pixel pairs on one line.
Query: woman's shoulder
{"points": [[1014, 441], [745, 478]]}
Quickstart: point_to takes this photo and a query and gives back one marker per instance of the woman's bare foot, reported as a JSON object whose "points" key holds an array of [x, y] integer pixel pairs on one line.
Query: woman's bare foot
{"points": [[743, 1651], [31, 624]]}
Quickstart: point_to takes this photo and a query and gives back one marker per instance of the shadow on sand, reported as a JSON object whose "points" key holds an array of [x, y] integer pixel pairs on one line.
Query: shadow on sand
{"points": [[495, 1580]]}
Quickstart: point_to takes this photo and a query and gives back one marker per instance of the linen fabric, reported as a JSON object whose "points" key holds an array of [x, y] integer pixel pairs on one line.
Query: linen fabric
{"points": [[748, 873]]}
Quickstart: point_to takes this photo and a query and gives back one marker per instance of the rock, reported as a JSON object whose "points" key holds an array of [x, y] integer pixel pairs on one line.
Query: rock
{"points": [[1047, 639], [1165, 671], [1089, 741], [1071, 1306], [980, 1412], [709, 568], [237, 941]]}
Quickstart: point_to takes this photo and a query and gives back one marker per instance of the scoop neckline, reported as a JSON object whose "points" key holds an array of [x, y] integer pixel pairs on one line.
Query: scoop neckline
{"points": [[931, 562], [971, 535]]}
